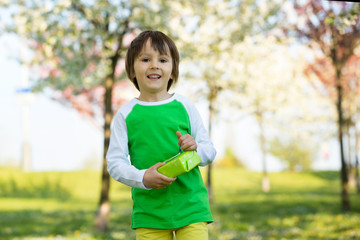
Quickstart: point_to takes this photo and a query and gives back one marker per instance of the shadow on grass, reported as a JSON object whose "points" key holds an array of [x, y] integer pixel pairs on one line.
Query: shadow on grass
{"points": [[327, 175], [282, 215], [279, 204], [46, 189], [71, 224], [255, 216], [37, 223]]}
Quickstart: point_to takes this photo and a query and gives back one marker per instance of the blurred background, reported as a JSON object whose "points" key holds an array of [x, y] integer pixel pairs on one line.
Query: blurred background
{"points": [[55, 127], [276, 83]]}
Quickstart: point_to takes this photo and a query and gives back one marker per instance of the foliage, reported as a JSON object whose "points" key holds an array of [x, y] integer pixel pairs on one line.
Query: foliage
{"points": [[301, 205], [208, 33], [76, 45], [229, 160], [276, 93], [264, 91], [296, 154], [332, 30]]}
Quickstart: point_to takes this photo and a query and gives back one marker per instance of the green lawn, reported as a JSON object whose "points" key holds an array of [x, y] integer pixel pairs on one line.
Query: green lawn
{"points": [[62, 205]]}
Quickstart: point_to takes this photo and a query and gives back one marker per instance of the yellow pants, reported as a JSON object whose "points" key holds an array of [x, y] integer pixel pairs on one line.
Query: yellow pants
{"points": [[195, 231]]}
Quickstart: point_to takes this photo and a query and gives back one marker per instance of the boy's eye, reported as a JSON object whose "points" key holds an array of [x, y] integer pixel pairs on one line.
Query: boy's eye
{"points": [[145, 60], [163, 60]]}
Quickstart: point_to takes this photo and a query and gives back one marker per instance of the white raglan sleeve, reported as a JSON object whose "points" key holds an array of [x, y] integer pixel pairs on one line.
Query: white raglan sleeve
{"points": [[118, 163], [205, 147]]}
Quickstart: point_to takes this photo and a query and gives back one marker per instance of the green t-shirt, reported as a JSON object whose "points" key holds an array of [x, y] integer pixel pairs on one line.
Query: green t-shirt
{"points": [[151, 138]]}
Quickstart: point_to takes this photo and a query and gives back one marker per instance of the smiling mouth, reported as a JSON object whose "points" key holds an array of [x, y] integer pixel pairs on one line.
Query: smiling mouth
{"points": [[154, 76]]}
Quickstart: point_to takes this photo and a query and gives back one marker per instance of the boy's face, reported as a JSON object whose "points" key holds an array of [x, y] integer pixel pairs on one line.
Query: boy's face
{"points": [[152, 70]]}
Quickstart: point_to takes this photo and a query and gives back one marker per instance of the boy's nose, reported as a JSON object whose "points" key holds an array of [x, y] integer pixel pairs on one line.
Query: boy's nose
{"points": [[154, 65]]}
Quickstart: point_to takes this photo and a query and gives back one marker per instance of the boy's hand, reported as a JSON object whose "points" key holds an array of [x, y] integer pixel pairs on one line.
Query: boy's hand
{"points": [[186, 142], [154, 179]]}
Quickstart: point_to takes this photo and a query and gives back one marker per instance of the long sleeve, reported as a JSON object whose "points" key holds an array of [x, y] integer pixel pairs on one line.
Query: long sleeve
{"points": [[118, 164], [205, 147]]}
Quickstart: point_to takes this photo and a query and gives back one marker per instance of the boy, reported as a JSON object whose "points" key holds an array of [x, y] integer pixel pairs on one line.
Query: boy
{"points": [[150, 130]]}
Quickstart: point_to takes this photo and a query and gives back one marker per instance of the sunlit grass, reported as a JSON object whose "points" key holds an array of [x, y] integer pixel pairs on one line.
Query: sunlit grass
{"points": [[63, 205], [299, 206]]}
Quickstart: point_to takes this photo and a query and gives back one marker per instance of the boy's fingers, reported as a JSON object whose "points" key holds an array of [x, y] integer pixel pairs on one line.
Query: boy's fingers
{"points": [[159, 164], [178, 134], [187, 143], [183, 139], [168, 179], [189, 146], [154, 179], [163, 177], [165, 181]]}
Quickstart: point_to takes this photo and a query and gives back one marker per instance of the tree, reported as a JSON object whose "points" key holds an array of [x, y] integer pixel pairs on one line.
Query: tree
{"points": [[77, 47], [351, 80], [323, 72], [209, 34], [324, 27], [277, 96]]}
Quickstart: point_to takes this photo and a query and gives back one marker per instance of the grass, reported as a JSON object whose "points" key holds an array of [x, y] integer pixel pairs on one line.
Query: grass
{"points": [[62, 205]]}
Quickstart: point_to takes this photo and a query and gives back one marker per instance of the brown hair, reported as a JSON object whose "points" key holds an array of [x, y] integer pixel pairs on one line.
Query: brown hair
{"points": [[160, 42]]}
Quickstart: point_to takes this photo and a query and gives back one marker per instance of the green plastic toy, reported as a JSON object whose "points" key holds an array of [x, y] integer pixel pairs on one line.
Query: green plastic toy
{"points": [[180, 163]]}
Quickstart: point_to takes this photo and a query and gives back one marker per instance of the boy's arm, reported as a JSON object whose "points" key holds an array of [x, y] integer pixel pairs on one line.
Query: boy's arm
{"points": [[205, 147], [118, 164]]}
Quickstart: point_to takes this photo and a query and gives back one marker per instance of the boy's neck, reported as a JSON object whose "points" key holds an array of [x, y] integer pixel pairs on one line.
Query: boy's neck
{"points": [[154, 97]]}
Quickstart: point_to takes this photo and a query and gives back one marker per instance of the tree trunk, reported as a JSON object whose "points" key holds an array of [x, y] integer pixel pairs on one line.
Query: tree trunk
{"points": [[102, 218], [345, 198], [265, 184], [357, 178], [351, 167], [348, 136]]}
